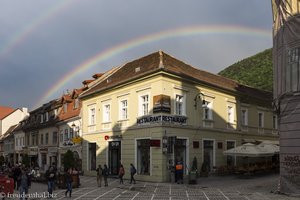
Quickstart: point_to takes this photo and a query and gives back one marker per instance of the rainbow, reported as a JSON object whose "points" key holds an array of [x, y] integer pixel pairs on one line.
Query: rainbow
{"points": [[166, 34], [25, 32]]}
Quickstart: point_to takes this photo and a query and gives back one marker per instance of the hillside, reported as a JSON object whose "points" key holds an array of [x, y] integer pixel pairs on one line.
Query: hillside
{"points": [[255, 71]]}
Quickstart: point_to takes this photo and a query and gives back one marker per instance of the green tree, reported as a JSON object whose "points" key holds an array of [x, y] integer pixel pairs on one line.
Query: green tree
{"points": [[26, 160], [69, 160], [1, 160]]}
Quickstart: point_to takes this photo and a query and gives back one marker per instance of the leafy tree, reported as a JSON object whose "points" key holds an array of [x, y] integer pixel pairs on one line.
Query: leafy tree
{"points": [[69, 160], [1, 160], [194, 164], [26, 160]]}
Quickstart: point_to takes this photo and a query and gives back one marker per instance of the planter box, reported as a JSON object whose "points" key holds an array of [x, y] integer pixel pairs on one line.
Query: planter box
{"points": [[62, 184], [193, 177]]}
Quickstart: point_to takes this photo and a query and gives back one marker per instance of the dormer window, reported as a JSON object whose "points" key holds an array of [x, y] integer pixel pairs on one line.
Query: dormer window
{"points": [[65, 107], [42, 118], [76, 103]]}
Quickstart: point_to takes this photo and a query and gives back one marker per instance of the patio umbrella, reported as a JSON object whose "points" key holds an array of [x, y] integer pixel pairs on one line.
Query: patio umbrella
{"points": [[269, 146], [249, 150]]}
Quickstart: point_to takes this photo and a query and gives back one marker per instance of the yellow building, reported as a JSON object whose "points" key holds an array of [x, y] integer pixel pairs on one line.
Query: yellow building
{"points": [[157, 110]]}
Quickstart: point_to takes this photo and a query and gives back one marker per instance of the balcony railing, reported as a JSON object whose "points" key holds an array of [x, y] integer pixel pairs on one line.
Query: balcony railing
{"points": [[259, 130]]}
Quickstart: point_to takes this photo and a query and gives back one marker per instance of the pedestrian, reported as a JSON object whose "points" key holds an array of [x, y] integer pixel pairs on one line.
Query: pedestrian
{"points": [[179, 172], [68, 181], [23, 186], [50, 177], [29, 175], [132, 173], [121, 174], [105, 174], [99, 175], [16, 175]]}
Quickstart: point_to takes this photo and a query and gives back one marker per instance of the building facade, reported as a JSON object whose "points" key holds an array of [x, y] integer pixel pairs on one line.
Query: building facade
{"points": [[286, 61], [156, 111]]}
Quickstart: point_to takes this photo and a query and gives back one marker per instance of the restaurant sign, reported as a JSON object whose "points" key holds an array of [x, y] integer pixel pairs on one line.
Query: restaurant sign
{"points": [[161, 119]]}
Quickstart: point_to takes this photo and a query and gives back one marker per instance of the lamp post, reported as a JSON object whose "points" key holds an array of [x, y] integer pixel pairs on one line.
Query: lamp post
{"points": [[199, 96]]}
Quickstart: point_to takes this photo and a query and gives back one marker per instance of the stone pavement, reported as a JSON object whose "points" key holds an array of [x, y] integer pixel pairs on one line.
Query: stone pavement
{"points": [[211, 188]]}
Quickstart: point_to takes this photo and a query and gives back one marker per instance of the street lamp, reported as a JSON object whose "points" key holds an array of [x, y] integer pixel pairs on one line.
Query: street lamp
{"points": [[199, 96]]}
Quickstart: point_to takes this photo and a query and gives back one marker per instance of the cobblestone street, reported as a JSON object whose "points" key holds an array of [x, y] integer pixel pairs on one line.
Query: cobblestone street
{"points": [[211, 188]]}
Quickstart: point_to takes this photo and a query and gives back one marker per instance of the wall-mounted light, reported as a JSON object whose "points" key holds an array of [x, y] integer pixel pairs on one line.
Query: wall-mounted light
{"points": [[199, 96]]}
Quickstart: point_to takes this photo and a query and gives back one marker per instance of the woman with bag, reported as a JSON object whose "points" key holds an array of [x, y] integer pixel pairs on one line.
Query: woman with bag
{"points": [[121, 174]]}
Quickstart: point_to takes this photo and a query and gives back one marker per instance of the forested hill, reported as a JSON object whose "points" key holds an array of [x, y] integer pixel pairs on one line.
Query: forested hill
{"points": [[255, 71]]}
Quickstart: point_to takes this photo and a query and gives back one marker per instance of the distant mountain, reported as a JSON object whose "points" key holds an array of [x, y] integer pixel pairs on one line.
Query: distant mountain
{"points": [[255, 71]]}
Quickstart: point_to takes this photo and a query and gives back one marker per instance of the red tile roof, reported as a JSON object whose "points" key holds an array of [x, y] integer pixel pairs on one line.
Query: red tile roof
{"points": [[5, 111]]}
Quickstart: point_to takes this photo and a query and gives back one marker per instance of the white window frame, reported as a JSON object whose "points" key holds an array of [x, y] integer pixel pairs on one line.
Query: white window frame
{"points": [[262, 119], [47, 116], [230, 114], [180, 104], [244, 123], [135, 154], [142, 103], [275, 122], [123, 112], [208, 106], [106, 113], [214, 150], [92, 115]]}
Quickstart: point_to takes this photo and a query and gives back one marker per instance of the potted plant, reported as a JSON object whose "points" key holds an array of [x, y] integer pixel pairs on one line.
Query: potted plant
{"points": [[69, 162], [193, 172], [204, 169]]}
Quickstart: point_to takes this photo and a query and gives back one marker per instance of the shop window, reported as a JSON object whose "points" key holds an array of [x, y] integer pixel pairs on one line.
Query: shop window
{"points": [[143, 156]]}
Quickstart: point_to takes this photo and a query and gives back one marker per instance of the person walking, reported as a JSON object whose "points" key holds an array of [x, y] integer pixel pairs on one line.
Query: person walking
{"points": [[99, 175], [179, 172], [105, 175], [121, 174], [68, 180], [50, 177], [23, 187], [132, 173]]}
